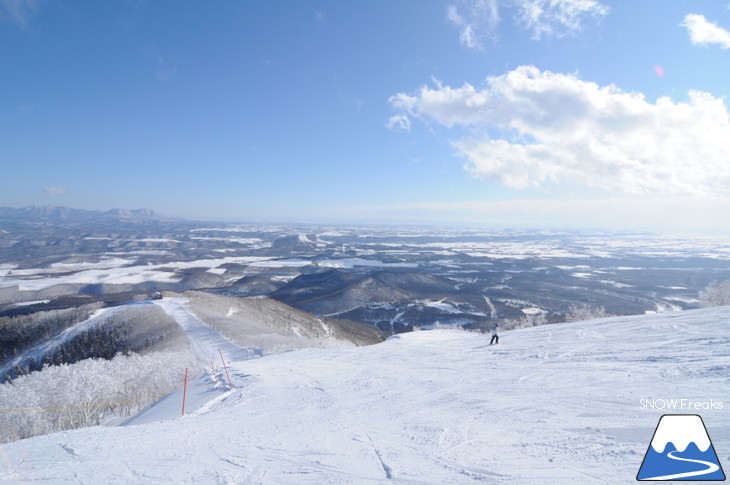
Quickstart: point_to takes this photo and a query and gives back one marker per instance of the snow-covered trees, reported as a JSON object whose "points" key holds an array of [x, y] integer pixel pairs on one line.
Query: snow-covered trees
{"points": [[716, 294], [88, 392], [132, 328], [581, 311], [532, 320], [72, 368], [19, 333], [576, 312]]}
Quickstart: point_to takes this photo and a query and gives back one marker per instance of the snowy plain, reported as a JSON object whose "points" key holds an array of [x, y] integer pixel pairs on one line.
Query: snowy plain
{"points": [[557, 404]]}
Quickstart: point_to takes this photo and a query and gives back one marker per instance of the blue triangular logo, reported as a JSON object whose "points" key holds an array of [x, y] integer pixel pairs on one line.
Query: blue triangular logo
{"points": [[681, 450]]}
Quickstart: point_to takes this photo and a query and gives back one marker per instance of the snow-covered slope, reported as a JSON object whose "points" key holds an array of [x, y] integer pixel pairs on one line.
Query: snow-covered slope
{"points": [[554, 404], [272, 326]]}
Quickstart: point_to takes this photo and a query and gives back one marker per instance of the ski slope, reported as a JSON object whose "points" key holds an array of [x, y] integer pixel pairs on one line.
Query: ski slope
{"points": [[210, 347], [557, 404], [205, 342]]}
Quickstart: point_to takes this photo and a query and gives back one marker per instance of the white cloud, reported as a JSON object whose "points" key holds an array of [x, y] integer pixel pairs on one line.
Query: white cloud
{"points": [[55, 190], [469, 39], [478, 19], [19, 11], [452, 13], [557, 18], [399, 123], [704, 32], [547, 128]]}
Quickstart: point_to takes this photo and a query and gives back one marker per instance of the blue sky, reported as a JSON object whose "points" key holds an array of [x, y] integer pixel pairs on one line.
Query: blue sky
{"points": [[527, 112]]}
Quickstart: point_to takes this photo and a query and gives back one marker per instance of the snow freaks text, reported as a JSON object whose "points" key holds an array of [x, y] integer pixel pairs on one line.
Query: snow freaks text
{"points": [[681, 404]]}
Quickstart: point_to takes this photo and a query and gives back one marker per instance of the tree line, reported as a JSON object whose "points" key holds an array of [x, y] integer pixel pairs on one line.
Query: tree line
{"points": [[136, 328], [20, 333]]}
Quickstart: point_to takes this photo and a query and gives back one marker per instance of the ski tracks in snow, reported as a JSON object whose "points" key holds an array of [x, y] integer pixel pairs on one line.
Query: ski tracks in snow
{"points": [[386, 468], [557, 404]]}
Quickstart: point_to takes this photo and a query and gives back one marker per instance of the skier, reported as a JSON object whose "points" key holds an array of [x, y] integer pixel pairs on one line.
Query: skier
{"points": [[495, 337]]}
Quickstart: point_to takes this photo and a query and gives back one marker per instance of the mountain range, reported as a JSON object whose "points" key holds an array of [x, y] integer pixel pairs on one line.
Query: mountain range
{"points": [[67, 214]]}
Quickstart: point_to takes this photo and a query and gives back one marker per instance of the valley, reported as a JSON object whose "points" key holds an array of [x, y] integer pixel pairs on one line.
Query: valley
{"points": [[393, 277]]}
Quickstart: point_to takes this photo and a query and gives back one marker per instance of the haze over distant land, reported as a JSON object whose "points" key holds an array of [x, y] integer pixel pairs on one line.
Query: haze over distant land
{"points": [[578, 113], [395, 277]]}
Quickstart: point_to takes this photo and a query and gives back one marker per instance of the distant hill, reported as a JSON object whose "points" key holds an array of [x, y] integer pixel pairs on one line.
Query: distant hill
{"points": [[35, 213], [382, 297], [274, 326], [335, 291]]}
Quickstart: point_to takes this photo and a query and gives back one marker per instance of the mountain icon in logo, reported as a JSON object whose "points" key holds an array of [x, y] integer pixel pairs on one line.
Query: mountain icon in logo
{"points": [[681, 450]]}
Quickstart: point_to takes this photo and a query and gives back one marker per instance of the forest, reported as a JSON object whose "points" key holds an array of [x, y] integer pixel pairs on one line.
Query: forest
{"points": [[90, 392], [101, 366]]}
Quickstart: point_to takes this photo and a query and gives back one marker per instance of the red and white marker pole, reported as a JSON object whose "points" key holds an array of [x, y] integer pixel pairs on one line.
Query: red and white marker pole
{"points": [[185, 390], [225, 368]]}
